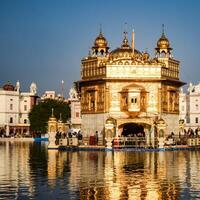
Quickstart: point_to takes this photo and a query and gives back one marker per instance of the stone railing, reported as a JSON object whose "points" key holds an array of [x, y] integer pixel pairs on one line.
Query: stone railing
{"points": [[129, 142]]}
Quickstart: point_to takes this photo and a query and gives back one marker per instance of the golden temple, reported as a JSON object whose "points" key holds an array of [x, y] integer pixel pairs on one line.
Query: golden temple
{"points": [[127, 87]]}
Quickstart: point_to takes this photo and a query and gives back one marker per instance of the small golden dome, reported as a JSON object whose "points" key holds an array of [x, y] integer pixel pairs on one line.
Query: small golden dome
{"points": [[146, 55], [110, 120], [163, 43], [100, 41], [125, 49]]}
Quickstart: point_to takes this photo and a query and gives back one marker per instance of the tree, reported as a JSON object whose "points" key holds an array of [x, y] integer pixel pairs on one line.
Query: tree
{"points": [[40, 113]]}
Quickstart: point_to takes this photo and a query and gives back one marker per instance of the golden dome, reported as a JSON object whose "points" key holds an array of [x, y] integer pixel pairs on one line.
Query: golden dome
{"points": [[100, 41], [121, 51], [125, 48], [110, 120], [163, 43]]}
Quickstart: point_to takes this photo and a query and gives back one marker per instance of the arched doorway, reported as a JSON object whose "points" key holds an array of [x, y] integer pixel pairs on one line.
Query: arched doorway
{"points": [[132, 129], [139, 133]]}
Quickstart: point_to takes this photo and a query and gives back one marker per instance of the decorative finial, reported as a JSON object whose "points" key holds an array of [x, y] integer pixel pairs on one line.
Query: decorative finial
{"points": [[125, 30], [125, 40], [100, 29], [52, 112], [163, 29]]}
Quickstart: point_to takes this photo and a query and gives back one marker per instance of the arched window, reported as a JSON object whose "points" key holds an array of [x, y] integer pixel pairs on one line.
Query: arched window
{"points": [[134, 100], [11, 120], [102, 52], [163, 54]]}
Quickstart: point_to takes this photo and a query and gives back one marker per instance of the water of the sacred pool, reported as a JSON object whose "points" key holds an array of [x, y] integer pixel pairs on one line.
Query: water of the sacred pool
{"points": [[29, 170]]}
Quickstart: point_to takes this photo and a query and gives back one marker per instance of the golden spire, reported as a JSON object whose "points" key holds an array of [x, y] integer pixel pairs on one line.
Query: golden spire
{"points": [[163, 42], [163, 30], [52, 118], [60, 120], [100, 29], [125, 40], [52, 110], [125, 32]]}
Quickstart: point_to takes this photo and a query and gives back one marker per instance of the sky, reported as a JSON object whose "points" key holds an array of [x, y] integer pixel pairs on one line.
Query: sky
{"points": [[43, 41]]}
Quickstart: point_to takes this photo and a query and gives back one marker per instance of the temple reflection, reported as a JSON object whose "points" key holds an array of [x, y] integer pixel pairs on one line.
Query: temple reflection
{"points": [[28, 169], [124, 175]]}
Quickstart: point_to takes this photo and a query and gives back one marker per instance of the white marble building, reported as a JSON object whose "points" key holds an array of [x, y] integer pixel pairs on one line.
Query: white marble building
{"points": [[14, 108], [75, 105], [189, 106], [51, 95]]}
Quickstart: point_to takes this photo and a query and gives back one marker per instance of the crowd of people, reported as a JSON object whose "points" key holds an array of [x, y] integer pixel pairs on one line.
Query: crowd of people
{"points": [[69, 134], [190, 132]]}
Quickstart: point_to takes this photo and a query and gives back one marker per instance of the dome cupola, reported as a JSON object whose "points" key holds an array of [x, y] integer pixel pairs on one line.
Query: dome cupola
{"points": [[125, 50], [100, 47], [100, 41], [163, 48], [163, 42], [8, 87]]}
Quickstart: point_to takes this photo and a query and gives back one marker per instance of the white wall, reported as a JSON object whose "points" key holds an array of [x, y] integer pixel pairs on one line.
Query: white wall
{"points": [[190, 101], [17, 111]]}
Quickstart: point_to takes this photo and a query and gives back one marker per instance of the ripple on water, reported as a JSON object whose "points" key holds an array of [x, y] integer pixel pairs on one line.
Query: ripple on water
{"points": [[30, 171]]}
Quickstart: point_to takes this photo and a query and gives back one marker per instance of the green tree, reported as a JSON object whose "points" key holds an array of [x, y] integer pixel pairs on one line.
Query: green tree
{"points": [[40, 113]]}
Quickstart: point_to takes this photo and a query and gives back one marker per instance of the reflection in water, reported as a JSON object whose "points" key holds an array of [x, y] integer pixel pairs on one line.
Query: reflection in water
{"points": [[30, 171]]}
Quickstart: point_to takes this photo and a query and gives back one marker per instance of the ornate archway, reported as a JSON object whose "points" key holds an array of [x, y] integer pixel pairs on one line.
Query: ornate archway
{"points": [[130, 129], [133, 129]]}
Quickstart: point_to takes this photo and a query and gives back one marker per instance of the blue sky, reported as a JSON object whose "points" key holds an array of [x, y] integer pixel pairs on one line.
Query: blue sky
{"points": [[44, 40]]}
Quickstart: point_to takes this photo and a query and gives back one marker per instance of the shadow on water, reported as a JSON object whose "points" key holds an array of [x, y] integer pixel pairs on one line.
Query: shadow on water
{"points": [[30, 171]]}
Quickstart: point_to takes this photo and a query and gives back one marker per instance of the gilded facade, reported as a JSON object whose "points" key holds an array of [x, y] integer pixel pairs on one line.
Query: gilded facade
{"points": [[129, 86]]}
